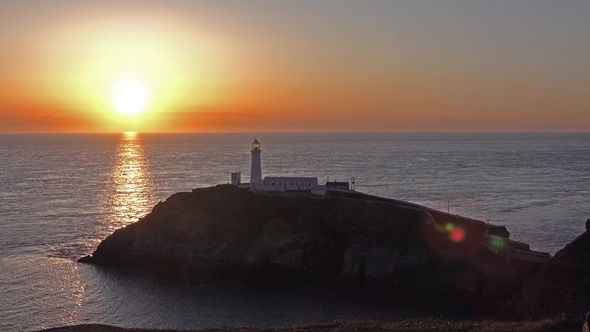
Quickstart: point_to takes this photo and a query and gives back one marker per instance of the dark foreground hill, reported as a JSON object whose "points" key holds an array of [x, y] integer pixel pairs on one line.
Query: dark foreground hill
{"points": [[413, 325]]}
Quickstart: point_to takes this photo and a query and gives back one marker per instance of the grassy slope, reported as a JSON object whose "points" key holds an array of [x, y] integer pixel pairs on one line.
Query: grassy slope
{"points": [[412, 325]]}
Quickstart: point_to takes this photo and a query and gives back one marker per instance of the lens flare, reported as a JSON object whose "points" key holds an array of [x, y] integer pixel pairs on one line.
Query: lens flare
{"points": [[457, 235], [496, 242], [449, 227], [453, 237]]}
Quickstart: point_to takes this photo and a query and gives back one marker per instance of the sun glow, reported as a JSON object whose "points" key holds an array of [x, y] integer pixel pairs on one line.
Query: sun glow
{"points": [[129, 97], [109, 75]]}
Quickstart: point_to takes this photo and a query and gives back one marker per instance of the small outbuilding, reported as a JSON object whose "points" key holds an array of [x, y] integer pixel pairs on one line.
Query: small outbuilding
{"points": [[338, 185]]}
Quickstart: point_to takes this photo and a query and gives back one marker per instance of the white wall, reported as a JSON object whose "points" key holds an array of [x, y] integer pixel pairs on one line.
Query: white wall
{"points": [[285, 183]]}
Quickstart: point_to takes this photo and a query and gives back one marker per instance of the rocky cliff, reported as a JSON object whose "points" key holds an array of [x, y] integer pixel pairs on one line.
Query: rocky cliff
{"points": [[560, 287], [349, 242]]}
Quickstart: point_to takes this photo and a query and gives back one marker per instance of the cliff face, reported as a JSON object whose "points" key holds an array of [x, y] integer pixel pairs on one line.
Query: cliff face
{"points": [[561, 286], [351, 242]]}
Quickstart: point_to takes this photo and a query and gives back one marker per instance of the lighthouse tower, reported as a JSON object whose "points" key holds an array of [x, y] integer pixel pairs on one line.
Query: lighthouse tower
{"points": [[256, 170]]}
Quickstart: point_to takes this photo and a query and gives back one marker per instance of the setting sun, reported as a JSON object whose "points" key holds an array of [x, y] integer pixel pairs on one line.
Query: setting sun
{"points": [[129, 97]]}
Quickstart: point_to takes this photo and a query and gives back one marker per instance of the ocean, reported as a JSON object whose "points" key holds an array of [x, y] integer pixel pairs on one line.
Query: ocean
{"points": [[61, 194]]}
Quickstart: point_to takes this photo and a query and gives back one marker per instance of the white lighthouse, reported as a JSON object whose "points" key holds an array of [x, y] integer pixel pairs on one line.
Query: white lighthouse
{"points": [[275, 183], [256, 170]]}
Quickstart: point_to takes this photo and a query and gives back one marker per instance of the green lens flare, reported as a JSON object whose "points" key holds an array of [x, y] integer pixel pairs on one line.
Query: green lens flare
{"points": [[496, 242]]}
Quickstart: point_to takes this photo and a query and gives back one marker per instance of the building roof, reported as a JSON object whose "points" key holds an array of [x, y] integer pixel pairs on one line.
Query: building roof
{"points": [[289, 178]]}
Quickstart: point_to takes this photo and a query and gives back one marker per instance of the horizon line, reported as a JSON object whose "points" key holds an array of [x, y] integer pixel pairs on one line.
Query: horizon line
{"points": [[292, 132]]}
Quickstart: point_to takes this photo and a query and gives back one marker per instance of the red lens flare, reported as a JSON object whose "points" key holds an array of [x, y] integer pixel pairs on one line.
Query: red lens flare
{"points": [[457, 235], [453, 237]]}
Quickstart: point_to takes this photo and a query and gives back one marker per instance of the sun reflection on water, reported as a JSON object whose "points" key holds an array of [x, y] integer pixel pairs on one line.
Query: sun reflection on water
{"points": [[133, 190]]}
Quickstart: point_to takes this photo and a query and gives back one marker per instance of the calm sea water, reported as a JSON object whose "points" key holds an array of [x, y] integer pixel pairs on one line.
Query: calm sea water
{"points": [[60, 195]]}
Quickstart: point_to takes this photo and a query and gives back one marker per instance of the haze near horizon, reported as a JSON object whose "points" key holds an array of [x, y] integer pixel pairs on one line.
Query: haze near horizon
{"points": [[279, 66]]}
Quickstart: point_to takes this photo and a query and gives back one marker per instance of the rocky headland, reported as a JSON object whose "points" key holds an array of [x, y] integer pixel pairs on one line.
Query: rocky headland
{"points": [[560, 287], [350, 243]]}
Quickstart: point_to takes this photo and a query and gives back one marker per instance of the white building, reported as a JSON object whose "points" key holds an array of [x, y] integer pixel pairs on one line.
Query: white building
{"points": [[282, 183], [275, 183], [236, 178]]}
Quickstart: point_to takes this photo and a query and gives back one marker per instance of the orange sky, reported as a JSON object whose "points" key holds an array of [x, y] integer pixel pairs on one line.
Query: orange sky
{"points": [[284, 66]]}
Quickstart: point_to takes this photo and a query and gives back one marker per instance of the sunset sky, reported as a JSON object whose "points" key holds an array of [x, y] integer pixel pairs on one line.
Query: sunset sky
{"points": [[270, 66]]}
